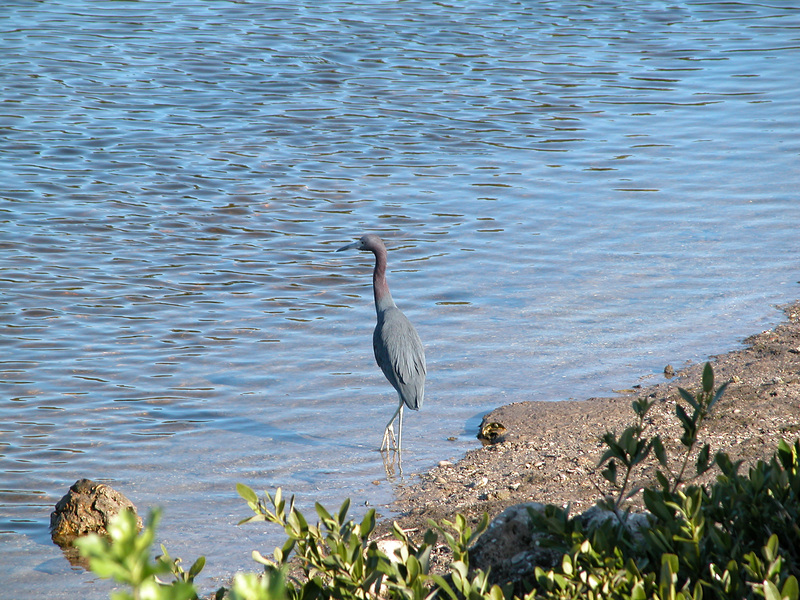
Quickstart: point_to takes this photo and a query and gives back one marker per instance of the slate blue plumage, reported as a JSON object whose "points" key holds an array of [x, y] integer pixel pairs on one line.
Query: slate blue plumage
{"points": [[397, 346]]}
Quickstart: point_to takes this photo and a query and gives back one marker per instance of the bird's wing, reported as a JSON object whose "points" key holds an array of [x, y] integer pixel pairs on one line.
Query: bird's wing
{"points": [[400, 355]]}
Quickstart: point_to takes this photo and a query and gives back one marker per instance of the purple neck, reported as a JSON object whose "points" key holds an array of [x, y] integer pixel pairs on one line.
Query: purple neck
{"points": [[383, 298]]}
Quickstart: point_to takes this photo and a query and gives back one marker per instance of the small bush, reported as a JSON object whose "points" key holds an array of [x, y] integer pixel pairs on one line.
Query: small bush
{"points": [[737, 538], [337, 559], [125, 557]]}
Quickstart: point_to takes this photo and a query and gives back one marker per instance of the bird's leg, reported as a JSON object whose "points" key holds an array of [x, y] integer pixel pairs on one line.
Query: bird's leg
{"points": [[388, 433], [400, 429]]}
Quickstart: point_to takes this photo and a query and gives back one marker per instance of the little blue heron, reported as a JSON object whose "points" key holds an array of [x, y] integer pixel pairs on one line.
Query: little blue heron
{"points": [[398, 349]]}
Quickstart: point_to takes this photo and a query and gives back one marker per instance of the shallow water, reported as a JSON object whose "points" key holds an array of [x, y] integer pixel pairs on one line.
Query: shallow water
{"points": [[573, 197]]}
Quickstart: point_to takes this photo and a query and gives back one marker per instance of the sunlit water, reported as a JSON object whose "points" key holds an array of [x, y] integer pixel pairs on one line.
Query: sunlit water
{"points": [[573, 196]]}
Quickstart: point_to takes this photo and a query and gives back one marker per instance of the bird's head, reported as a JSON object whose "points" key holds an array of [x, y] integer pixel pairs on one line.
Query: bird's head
{"points": [[369, 242]]}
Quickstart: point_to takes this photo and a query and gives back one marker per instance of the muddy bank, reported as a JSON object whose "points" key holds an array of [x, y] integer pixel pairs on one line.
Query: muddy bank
{"points": [[548, 451]]}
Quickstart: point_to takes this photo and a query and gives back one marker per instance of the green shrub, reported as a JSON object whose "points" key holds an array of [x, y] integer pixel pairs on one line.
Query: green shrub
{"points": [[631, 449], [337, 559], [737, 538], [125, 557]]}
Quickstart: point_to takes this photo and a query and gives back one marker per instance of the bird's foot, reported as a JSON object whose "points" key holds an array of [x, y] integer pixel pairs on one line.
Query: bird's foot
{"points": [[389, 439]]}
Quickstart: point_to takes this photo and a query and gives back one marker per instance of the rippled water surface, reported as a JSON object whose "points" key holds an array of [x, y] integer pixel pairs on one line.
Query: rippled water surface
{"points": [[573, 194]]}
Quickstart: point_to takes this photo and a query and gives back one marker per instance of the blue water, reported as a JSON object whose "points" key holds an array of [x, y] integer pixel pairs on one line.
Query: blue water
{"points": [[573, 196]]}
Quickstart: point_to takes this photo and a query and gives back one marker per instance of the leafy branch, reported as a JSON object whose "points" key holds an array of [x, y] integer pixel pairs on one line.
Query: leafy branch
{"points": [[632, 447]]}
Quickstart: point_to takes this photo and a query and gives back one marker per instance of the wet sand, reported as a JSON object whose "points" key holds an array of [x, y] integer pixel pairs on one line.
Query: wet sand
{"points": [[548, 451]]}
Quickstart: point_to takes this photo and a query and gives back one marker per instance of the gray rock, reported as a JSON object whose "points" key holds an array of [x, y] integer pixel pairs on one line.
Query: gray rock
{"points": [[512, 549], [509, 547]]}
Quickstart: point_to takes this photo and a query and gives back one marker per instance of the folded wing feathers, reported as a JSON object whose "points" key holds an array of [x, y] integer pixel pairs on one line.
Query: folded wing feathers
{"points": [[399, 352]]}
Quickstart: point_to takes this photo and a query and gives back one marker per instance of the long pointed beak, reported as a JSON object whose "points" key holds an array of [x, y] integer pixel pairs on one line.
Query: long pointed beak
{"points": [[349, 246]]}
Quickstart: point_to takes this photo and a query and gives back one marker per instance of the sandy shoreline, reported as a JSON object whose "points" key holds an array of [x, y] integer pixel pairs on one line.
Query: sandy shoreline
{"points": [[549, 451]]}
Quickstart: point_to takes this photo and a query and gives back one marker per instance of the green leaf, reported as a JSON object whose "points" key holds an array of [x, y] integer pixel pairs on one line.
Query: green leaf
{"points": [[656, 505], [250, 586], [787, 455], [460, 568], [165, 555], [566, 565], [642, 452], [641, 407], [323, 512], [684, 418], [247, 493], [610, 472], [703, 461], [479, 529], [343, 511], [287, 547], [628, 440], [668, 578], [424, 558], [197, 567], [708, 378], [297, 524], [615, 449], [725, 464], [412, 564], [770, 551], [790, 590], [771, 591], [662, 481], [638, 592], [444, 585], [91, 544], [252, 519], [718, 395], [496, 593], [697, 593], [659, 451], [688, 398], [367, 523]]}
